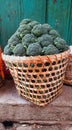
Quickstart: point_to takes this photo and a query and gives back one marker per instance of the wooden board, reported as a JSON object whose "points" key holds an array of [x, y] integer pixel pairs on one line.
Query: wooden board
{"points": [[58, 13]]}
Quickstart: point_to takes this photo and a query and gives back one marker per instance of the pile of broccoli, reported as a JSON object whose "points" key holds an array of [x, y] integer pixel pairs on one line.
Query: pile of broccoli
{"points": [[32, 39]]}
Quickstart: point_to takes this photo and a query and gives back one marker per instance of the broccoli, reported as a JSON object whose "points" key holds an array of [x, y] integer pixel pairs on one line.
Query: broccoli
{"points": [[45, 40], [8, 50], [47, 26], [33, 23], [34, 49], [38, 30], [60, 44], [25, 21], [29, 38], [21, 34], [50, 50], [32, 39], [54, 33], [13, 40], [19, 50], [24, 27]]}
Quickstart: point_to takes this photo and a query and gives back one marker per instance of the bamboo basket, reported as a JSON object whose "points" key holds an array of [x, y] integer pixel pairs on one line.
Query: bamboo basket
{"points": [[40, 78], [68, 73]]}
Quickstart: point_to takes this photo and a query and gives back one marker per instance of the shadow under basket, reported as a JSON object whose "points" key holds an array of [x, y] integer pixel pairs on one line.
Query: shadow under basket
{"points": [[68, 73], [40, 78]]}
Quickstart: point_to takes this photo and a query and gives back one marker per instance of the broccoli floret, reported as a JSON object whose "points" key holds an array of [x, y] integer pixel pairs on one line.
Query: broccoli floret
{"points": [[13, 40], [29, 38], [34, 49], [19, 50], [38, 30], [45, 40], [25, 21], [50, 50], [21, 34], [24, 27], [60, 44], [33, 23], [54, 33], [47, 26], [8, 50]]}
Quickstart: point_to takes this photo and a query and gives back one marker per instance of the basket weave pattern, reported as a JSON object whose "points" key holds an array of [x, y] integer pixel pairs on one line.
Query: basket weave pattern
{"points": [[40, 78]]}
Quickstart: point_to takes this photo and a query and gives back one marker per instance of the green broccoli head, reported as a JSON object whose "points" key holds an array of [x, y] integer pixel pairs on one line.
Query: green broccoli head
{"points": [[39, 29], [19, 50], [21, 34], [25, 21], [13, 40], [8, 50], [50, 50], [45, 40], [30, 38], [60, 44], [33, 23], [54, 33], [47, 27], [24, 27], [34, 49]]}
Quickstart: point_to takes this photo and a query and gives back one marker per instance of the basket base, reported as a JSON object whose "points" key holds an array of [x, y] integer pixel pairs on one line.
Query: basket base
{"points": [[56, 94]]}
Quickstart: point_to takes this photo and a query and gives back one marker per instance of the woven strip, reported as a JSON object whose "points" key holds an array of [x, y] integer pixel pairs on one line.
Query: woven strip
{"points": [[40, 78]]}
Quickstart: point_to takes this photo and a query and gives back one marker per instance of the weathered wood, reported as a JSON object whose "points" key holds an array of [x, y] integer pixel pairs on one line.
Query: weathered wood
{"points": [[33, 9], [15, 108], [9, 19], [38, 127], [58, 12], [70, 26], [1, 127]]}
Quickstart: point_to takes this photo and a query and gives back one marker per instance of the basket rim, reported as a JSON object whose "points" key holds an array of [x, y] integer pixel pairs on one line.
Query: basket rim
{"points": [[23, 58]]}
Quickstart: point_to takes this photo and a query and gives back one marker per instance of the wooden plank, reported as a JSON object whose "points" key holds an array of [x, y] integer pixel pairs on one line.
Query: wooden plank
{"points": [[58, 12], [34, 9], [15, 108], [9, 15], [70, 26]]}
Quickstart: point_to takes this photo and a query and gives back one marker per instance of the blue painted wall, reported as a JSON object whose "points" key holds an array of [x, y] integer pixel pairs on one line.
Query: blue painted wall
{"points": [[58, 13]]}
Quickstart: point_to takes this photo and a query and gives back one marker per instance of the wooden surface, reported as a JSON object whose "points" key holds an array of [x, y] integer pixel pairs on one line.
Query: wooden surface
{"points": [[13, 107], [58, 13], [27, 116]]}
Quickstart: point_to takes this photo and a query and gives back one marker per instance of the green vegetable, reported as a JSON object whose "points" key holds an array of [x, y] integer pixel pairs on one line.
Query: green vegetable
{"points": [[54, 33], [32, 39], [34, 49], [45, 40], [47, 26], [60, 44], [8, 50], [29, 38], [50, 50], [21, 34], [24, 27], [19, 50], [33, 23], [38, 30], [25, 21], [13, 40]]}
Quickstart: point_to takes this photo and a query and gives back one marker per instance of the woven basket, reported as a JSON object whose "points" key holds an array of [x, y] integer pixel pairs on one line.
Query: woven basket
{"points": [[39, 78], [68, 73]]}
